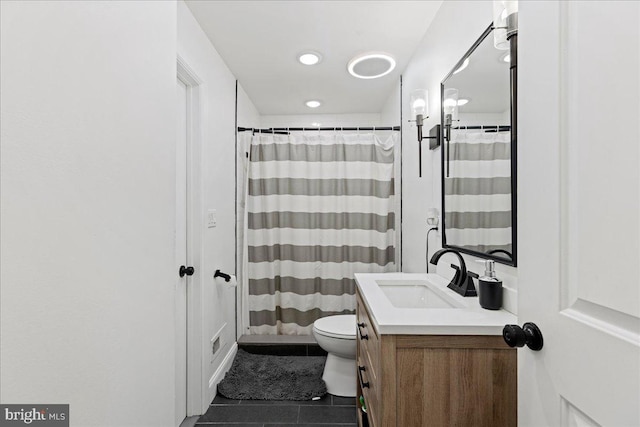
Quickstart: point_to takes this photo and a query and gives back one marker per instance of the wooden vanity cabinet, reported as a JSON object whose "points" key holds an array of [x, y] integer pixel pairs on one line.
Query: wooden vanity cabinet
{"points": [[434, 380]]}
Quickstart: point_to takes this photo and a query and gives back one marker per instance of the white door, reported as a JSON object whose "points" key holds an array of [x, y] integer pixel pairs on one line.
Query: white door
{"points": [[578, 212], [181, 256]]}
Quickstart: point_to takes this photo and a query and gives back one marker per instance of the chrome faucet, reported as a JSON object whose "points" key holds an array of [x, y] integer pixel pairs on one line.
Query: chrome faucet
{"points": [[462, 282]]}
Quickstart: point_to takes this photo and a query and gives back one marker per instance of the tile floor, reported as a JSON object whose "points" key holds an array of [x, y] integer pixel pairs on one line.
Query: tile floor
{"points": [[330, 411]]}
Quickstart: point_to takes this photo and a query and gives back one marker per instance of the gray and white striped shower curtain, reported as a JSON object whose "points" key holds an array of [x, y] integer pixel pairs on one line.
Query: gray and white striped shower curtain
{"points": [[478, 191], [319, 209]]}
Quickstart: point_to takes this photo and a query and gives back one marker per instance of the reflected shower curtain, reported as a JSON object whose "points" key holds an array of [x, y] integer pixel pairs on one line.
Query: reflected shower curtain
{"points": [[319, 209], [478, 191]]}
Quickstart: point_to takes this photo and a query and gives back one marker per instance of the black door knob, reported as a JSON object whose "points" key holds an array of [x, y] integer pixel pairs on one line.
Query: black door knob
{"points": [[186, 270], [529, 334]]}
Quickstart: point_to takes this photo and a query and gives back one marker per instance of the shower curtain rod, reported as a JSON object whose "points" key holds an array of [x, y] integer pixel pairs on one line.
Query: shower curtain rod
{"points": [[337, 128], [485, 127]]}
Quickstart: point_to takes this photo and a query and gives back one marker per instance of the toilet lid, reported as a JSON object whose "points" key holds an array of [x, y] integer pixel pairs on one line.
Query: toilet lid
{"points": [[342, 326]]}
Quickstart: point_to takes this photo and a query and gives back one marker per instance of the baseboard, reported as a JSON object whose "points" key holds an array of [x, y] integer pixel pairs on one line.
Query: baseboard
{"points": [[219, 374]]}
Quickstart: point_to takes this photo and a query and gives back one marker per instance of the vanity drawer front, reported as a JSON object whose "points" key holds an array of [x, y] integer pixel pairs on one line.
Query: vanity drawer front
{"points": [[369, 359], [369, 390], [368, 340]]}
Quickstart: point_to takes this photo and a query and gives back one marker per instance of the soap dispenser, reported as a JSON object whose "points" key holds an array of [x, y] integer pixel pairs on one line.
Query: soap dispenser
{"points": [[490, 287]]}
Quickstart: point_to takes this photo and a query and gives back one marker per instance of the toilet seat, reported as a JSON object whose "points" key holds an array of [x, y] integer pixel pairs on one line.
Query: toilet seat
{"points": [[339, 327]]}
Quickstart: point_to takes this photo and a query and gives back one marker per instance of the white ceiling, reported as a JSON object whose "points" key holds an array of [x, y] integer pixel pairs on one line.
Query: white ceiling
{"points": [[260, 41]]}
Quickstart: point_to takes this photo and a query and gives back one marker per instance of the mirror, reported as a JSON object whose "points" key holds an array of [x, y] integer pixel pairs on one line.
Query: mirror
{"points": [[478, 154]]}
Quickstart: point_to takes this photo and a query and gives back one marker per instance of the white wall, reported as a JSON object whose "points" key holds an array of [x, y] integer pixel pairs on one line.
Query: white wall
{"points": [[218, 162], [248, 115], [88, 208], [325, 120], [455, 28]]}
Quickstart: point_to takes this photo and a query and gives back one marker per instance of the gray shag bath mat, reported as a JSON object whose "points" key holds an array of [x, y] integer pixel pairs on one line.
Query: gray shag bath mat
{"points": [[265, 377]]}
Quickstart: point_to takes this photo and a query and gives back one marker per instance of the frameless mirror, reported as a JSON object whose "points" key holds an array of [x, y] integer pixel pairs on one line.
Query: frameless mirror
{"points": [[478, 165]]}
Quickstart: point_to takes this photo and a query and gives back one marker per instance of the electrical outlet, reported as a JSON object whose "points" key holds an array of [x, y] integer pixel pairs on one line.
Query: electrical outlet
{"points": [[212, 221], [215, 346]]}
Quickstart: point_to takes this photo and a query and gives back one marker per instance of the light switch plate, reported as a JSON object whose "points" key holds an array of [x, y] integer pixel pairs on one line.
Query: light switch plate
{"points": [[211, 218]]}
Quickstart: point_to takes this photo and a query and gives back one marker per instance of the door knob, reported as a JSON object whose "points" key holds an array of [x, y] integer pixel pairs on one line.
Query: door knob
{"points": [[186, 270], [529, 334]]}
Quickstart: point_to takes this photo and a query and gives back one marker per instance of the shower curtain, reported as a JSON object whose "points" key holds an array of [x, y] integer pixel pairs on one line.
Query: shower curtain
{"points": [[318, 209], [478, 191]]}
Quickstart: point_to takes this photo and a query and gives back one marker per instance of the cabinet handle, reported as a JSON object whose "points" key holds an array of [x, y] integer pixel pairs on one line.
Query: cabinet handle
{"points": [[361, 369], [362, 337]]}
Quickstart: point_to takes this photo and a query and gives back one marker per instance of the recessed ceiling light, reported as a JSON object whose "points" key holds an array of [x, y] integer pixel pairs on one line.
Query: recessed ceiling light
{"points": [[313, 103], [371, 65], [462, 67], [309, 58], [315, 124], [462, 101], [506, 58]]}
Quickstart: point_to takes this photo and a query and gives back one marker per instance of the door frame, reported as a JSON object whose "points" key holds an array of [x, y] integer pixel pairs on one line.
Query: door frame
{"points": [[197, 388]]}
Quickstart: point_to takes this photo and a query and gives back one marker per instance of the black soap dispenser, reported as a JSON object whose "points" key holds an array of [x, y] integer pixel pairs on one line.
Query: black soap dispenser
{"points": [[490, 287]]}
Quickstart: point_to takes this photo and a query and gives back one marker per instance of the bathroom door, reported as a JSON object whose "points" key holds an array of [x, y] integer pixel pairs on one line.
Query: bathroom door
{"points": [[578, 212], [181, 256]]}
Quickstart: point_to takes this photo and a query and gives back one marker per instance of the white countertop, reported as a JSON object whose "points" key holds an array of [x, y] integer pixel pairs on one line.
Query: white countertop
{"points": [[468, 319]]}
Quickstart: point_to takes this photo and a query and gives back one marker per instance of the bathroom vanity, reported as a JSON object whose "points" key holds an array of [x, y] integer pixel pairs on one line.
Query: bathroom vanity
{"points": [[428, 356]]}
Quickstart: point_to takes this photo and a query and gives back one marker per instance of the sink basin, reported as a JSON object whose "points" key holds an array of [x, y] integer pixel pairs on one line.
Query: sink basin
{"points": [[414, 294]]}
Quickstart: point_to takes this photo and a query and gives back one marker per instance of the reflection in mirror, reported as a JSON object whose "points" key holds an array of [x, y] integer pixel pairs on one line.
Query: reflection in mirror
{"points": [[478, 201]]}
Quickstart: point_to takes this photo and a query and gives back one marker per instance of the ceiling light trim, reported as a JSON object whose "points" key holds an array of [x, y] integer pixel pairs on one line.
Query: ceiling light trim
{"points": [[371, 55]]}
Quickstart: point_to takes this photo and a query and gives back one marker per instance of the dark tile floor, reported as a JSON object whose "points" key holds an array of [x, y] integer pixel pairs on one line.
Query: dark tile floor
{"points": [[330, 411]]}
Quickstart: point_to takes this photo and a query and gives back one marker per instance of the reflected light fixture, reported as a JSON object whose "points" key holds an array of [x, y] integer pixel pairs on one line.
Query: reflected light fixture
{"points": [[309, 58], [505, 22], [313, 103], [462, 101], [462, 67], [419, 102], [450, 106]]}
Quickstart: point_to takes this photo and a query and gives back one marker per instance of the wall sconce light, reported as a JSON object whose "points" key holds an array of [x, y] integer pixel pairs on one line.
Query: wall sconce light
{"points": [[505, 22], [420, 110]]}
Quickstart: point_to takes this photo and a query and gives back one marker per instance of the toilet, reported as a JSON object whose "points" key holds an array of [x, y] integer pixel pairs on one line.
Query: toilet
{"points": [[337, 336]]}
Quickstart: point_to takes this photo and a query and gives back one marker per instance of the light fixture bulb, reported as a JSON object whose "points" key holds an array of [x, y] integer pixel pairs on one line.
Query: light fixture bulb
{"points": [[309, 58], [462, 101], [450, 103], [313, 103], [419, 103]]}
